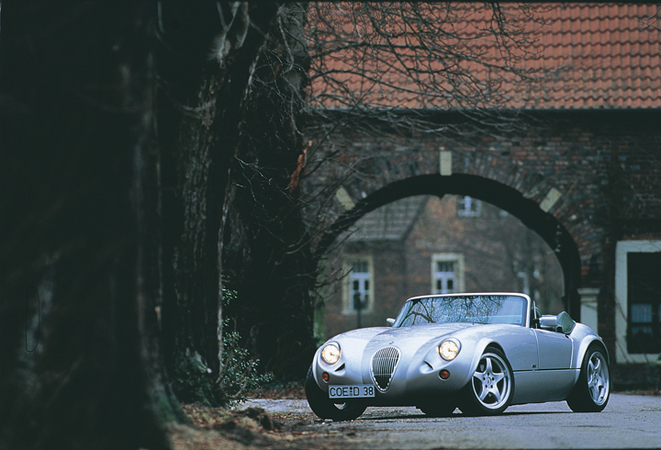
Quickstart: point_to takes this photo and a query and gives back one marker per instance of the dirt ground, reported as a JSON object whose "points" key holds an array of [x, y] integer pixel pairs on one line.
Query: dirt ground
{"points": [[248, 428]]}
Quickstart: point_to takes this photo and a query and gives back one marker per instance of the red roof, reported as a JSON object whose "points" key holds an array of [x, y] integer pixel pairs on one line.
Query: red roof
{"points": [[593, 56], [606, 56]]}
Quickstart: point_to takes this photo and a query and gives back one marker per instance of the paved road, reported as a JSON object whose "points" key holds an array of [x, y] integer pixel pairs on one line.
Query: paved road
{"points": [[629, 421]]}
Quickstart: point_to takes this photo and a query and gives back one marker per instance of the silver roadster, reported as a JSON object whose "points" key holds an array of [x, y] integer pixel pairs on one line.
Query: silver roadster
{"points": [[478, 352]]}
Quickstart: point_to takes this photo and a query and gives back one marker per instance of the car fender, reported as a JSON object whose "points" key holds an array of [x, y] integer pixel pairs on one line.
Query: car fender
{"points": [[479, 347], [586, 338]]}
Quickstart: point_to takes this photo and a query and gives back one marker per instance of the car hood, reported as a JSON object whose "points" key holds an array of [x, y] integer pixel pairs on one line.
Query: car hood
{"points": [[415, 336], [407, 337]]}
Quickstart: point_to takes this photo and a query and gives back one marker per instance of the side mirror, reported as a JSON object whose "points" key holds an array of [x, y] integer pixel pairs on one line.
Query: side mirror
{"points": [[561, 323], [548, 322], [390, 321]]}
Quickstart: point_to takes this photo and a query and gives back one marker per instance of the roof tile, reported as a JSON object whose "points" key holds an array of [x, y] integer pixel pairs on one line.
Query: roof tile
{"points": [[596, 56]]}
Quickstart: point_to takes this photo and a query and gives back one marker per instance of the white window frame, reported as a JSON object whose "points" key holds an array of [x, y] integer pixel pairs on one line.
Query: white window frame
{"points": [[470, 206], [622, 355], [458, 260], [347, 298]]}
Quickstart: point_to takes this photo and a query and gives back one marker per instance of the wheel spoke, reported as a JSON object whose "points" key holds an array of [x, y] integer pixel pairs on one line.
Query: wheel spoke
{"points": [[597, 380], [484, 393], [592, 380], [496, 393], [489, 368]]}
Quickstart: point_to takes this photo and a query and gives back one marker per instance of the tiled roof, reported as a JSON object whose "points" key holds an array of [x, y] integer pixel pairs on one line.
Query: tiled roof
{"points": [[603, 56], [390, 222], [594, 56]]}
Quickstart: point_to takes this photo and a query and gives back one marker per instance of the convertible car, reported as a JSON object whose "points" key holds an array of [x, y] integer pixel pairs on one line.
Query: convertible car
{"points": [[478, 352]]}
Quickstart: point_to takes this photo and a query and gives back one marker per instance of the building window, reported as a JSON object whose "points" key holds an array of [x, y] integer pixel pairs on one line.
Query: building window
{"points": [[359, 287], [447, 273], [644, 288], [638, 312], [468, 206]]}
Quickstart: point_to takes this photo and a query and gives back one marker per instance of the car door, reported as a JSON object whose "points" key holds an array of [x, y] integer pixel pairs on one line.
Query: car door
{"points": [[546, 375], [554, 350]]}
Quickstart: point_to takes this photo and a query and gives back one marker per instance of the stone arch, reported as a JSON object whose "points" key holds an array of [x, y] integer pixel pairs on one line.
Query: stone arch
{"points": [[491, 191]]}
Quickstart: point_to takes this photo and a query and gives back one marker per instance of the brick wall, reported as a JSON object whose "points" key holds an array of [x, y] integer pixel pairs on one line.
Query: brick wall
{"points": [[605, 166], [591, 178], [492, 246]]}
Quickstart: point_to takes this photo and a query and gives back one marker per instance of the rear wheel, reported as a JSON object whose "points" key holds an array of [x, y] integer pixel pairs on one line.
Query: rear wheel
{"points": [[324, 407], [592, 389], [490, 389]]}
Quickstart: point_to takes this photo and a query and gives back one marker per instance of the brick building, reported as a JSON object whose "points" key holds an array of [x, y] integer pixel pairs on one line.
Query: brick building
{"points": [[584, 175], [423, 244]]}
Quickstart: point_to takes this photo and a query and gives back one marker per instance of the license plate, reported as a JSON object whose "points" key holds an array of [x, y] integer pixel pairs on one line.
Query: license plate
{"points": [[351, 391]]}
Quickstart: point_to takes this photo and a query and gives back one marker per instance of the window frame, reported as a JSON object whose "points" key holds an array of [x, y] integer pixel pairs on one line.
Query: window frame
{"points": [[347, 301], [622, 249], [474, 210], [456, 258]]}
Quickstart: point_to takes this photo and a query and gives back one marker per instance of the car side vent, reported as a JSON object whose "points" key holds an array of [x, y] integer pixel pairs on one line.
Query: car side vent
{"points": [[384, 363]]}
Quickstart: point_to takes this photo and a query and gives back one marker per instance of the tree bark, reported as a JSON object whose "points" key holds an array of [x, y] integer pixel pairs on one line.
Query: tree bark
{"points": [[80, 253], [207, 60], [267, 256], [117, 201]]}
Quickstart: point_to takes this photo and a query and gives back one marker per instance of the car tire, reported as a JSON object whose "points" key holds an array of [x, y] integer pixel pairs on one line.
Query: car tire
{"points": [[491, 387], [323, 407], [592, 389]]}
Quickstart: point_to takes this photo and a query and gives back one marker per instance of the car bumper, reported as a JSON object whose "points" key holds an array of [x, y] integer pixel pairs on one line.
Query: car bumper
{"points": [[413, 381]]}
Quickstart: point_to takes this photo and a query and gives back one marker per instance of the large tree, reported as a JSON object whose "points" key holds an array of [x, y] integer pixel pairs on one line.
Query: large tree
{"points": [[115, 168], [213, 111], [148, 151], [79, 249]]}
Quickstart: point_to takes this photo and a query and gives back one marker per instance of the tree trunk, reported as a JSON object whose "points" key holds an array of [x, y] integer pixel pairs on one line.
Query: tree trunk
{"points": [[112, 248], [267, 256], [207, 60], [80, 253]]}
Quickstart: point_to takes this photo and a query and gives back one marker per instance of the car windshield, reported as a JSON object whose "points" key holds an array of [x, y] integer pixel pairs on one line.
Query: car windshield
{"points": [[506, 309]]}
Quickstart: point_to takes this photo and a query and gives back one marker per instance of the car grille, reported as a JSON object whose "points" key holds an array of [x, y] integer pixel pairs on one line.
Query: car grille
{"points": [[384, 363]]}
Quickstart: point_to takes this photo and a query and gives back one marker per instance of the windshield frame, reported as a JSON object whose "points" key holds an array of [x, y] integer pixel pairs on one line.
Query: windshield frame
{"points": [[403, 313]]}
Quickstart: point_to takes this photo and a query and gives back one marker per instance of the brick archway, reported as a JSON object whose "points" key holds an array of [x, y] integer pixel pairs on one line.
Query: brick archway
{"points": [[505, 197]]}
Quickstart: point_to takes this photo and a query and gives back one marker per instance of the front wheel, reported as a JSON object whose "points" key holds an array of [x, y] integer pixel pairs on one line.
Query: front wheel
{"points": [[593, 386], [324, 407], [490, 389]]}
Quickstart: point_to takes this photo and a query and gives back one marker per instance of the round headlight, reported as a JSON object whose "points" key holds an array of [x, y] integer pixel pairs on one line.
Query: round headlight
{"points": [[449, 349], [331, 354]]}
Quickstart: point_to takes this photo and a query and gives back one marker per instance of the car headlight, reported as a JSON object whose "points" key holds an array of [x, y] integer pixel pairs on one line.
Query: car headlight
{"points": [[331, 353], [449, 349]]}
